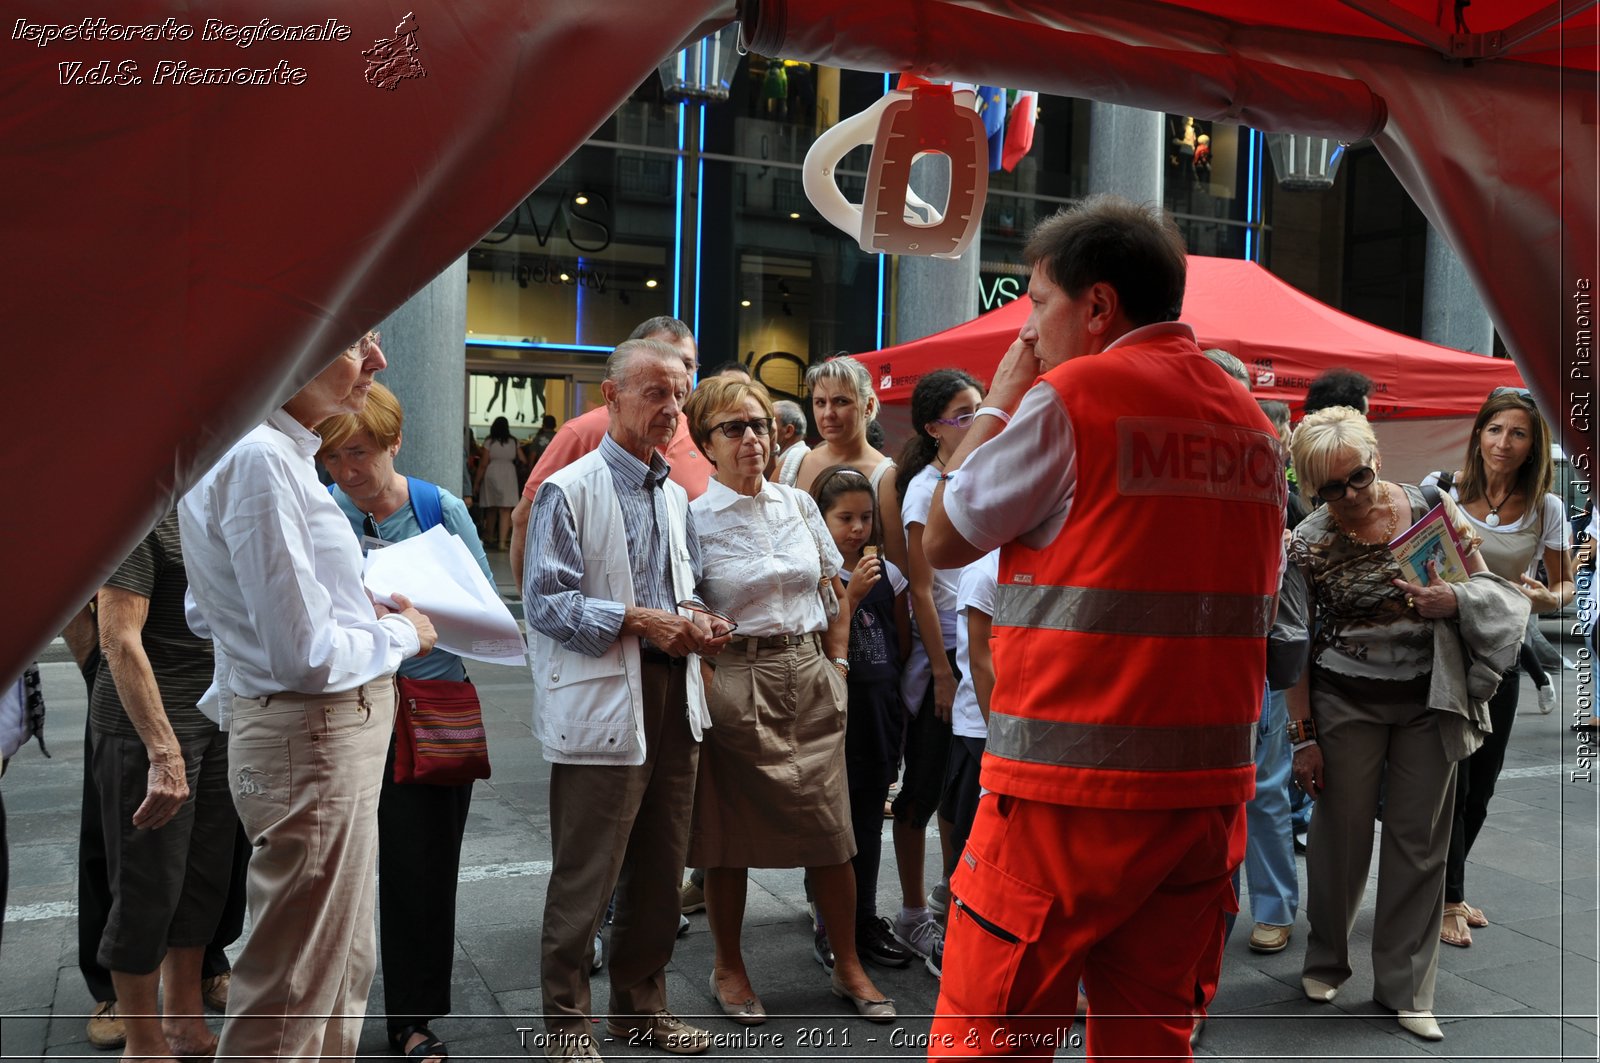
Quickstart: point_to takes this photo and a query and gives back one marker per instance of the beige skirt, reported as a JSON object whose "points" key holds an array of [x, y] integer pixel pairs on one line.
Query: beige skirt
{"points": [[772, 789]]}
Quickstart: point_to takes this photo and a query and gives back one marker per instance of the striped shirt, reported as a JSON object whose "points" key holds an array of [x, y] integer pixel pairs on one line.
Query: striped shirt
{"points": [[552, 600]]}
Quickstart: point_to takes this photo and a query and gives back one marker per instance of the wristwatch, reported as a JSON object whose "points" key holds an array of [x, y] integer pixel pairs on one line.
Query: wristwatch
{"points": [[1302, 731]]}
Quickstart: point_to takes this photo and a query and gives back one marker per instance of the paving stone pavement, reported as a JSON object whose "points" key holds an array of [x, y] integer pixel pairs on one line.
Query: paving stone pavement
{"points": [[1527, 989]]}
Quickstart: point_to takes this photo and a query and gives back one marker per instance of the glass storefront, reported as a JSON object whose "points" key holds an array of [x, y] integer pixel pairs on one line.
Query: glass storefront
{"points": [[697, 210]]}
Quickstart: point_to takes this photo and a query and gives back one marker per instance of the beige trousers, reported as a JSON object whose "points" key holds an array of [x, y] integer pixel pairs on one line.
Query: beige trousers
{"points": [[305, 773], [626, 829], [1359, 742]]}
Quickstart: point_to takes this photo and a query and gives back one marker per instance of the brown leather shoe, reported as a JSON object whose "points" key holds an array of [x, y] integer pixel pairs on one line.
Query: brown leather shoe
{"points": [[1269, 938], [105, 1030], [662, 1030]]}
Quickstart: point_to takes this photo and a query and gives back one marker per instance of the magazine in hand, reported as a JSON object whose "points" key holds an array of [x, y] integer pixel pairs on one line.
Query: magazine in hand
{"points": [[1433, 538]]}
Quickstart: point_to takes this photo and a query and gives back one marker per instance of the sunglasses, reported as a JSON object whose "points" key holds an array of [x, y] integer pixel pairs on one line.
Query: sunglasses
{"points": [[761, 426], [1334, 490], [369, 527], [1522, 393]]}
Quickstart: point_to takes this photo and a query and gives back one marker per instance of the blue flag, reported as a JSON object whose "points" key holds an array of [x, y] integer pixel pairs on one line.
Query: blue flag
{"points": [[992, 108]]}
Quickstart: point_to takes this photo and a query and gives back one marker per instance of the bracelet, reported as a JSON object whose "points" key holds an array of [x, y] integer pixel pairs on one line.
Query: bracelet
{"points": [[841, 663], [1298, 746], [1301, 732], [993, 411]]}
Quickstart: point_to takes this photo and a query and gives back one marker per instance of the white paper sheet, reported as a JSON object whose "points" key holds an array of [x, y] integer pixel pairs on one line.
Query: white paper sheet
{"points": [[438, 573]]}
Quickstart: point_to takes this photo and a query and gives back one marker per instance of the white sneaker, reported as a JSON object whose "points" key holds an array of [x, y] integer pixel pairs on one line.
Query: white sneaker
{"points": [[1547, 699], [599, 959], [924, 936]]}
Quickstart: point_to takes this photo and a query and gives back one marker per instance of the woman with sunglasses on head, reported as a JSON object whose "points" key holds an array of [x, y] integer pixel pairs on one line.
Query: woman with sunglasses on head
{"points": [[1504, 489], [1378, 710], [772, 789]]}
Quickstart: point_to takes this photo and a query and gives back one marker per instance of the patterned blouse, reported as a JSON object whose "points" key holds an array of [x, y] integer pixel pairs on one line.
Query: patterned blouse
{"points": [[1364, 629]]}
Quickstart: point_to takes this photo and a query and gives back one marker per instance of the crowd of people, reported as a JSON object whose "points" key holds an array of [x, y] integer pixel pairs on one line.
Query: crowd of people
{"points": [[741, 643]]}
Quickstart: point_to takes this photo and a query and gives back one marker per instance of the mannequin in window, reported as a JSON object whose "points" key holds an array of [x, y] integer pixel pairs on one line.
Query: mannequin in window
{"points": [[1181, 149], [1202, 159]]}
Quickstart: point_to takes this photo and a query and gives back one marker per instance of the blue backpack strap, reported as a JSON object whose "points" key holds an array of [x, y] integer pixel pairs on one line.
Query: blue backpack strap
{"points": [[425, 502]]}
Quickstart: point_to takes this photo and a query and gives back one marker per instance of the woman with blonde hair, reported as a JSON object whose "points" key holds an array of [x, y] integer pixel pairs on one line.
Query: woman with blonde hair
{"points": [[420, 825], [843, 404], [1384, 704]]}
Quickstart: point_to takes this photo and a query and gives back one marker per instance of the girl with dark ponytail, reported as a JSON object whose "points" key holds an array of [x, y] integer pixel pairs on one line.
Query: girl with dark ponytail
{"points": [[942, 407], [928, 401]]}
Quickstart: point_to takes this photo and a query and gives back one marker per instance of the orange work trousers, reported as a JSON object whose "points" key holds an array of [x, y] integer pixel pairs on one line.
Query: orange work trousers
{"points": [[1129, 901]]}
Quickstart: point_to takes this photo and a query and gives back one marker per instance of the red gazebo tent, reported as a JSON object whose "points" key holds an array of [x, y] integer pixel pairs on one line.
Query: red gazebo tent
{"points": [[1424, 396], [182, 254]]}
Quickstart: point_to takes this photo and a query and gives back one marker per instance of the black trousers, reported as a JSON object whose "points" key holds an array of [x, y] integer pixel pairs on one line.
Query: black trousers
{"points": [[866, 821], [419, 857], [1475, 779], [94, 880]]}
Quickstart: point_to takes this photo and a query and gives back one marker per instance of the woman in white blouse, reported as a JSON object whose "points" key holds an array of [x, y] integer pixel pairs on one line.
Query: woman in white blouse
{"points": [[771, 789]]}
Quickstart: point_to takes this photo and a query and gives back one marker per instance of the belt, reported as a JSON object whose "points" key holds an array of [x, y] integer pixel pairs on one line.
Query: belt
{"points": [[655, 656], [774, 642], [356, 695]]}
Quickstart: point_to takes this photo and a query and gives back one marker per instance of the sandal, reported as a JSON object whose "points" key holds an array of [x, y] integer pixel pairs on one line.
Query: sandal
{"points": [[1453, 928], [1475, 916], [429, 1047]]}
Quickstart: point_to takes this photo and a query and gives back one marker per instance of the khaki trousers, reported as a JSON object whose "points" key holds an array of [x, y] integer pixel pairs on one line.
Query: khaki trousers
{"points": [[1357, 742], [623, 829], [305, 772]]}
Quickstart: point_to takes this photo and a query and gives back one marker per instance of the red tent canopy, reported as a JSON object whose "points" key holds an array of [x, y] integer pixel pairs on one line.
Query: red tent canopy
{"points": [[180, 257], [1284, 336]]}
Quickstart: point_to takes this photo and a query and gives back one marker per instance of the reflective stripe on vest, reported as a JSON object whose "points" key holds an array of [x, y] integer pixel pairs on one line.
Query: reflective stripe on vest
{"points": [[1163, 614], [1109, 746]]}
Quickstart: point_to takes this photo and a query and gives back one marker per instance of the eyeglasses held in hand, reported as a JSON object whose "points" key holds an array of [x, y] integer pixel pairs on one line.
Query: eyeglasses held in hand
{"points": [[1334, 490], [710, 614], [761, 426]]}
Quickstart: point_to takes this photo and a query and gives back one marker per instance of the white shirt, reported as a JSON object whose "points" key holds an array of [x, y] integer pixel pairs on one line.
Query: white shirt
{"points": [[978, 581], [275, 576], [914, 510], [759, 558], [990, 505], [1554, 531]]}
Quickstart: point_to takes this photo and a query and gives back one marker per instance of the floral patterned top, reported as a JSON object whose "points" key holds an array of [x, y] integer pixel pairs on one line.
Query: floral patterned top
{"points": [[1364, 629]]}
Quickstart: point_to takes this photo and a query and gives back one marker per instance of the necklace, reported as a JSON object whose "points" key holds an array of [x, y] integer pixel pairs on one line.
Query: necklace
{"points": [[1388, 531], [1493, 519]]}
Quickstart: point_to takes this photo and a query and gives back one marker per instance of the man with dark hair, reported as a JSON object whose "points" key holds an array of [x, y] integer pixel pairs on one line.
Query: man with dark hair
{"points": [[582, 434], [1338, 387], [1136, 497]]}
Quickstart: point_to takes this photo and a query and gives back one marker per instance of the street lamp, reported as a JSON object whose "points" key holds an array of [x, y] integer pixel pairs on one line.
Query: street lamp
{"points": [[704, 70], [1305, 164]]}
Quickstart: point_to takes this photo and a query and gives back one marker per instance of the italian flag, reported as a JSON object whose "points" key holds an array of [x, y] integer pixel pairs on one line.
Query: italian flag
{"points": [[1019, 130]]}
